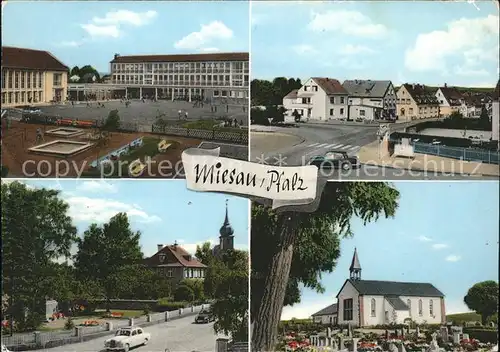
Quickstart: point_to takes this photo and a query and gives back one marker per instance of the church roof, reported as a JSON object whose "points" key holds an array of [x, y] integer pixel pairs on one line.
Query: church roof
{"points": [[394, 288], [226, 230], [355, 261], [396, 303], [330, 310]]}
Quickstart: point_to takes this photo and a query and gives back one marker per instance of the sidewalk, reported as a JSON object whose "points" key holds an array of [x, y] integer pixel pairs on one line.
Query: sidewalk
{"points": [[369, 154]]}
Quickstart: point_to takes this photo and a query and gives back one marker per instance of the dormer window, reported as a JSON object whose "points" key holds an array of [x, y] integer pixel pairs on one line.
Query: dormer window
{"points": [[161, 257], [187, 257]]}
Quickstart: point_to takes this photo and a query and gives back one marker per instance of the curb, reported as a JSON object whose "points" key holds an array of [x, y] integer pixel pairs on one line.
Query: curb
{"points": [[429, 171]]}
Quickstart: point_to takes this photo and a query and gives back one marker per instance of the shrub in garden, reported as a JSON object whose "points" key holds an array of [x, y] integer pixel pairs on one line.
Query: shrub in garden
{"points": [[70, 324]]}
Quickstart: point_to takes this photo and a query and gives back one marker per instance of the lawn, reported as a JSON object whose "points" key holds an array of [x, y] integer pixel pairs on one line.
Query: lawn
{"points": [[128, 313], [463, 317]]}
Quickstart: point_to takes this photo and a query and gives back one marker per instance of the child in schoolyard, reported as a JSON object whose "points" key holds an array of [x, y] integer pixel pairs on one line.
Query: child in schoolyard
{"points": [[39, 135]]}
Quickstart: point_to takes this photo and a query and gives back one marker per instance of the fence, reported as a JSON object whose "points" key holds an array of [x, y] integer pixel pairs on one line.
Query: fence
{"points": [[224, 345], [226, 136], [37, 340], [466, 154]]}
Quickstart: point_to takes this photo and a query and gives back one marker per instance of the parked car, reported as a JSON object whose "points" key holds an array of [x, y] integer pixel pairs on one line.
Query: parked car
{"points": [[127, 338], [204, 317], [31, 110], [335, 160]]}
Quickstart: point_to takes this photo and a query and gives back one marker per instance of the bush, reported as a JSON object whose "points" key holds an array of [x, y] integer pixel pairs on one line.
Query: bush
{"points": [[170, 306], [485, 335], [184, 292], [113, 121], [69, 324]]}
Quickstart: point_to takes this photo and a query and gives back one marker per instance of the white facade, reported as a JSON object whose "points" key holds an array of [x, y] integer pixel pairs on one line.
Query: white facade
{"points": [[215, 78], [329, 319], [469, 111], [443, 102], [348, 292], [371, 310], [313, 103]]}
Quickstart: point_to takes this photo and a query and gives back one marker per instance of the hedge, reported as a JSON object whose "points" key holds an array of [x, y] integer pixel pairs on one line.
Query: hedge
{"points": [[482, 334], [170, 306]]}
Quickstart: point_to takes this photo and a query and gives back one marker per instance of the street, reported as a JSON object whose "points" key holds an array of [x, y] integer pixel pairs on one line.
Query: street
{"points": [[180, 335], [313, 139], [295, 146]]}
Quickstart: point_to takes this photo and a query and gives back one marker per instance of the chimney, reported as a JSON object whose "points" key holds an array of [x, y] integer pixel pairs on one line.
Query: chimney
{"points": [[175, 244], [446, 85], [160, 246], [116, 56]]}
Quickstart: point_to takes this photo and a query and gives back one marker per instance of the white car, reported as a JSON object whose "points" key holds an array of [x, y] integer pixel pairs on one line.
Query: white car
{"points": [[5, 349], [127, 338]]}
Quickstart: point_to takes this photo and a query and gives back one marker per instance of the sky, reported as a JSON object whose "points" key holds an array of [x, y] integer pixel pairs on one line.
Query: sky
{"points": [[443, 233], [91, 32], [164, 211], [426, 42]]}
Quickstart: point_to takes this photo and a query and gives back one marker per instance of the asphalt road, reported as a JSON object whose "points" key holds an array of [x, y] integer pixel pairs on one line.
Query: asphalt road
{"points": [[316, 140], [180, 335]]}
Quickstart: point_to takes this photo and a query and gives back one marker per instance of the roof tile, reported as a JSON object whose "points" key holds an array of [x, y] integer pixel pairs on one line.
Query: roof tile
{"points": [[394, 288], [30, 59]]}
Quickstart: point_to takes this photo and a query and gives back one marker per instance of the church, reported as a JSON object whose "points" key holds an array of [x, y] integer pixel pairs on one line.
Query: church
{"points": [[364, 303]]}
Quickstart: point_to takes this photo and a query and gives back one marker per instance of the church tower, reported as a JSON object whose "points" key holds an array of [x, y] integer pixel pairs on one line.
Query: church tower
{"points": [[355, 268], [226, 238]]}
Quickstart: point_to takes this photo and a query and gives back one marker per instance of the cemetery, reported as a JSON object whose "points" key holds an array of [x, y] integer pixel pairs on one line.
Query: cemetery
{"points": [[402, 339]]}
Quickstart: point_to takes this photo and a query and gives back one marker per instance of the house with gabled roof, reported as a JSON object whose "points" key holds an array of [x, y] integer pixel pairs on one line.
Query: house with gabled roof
{"points": [[32, 76], [495, 115], [364, 303], [319, 98], [373, 302], [416, 101], [175, 263], [371, 100], [450, 100], [327, 315]]}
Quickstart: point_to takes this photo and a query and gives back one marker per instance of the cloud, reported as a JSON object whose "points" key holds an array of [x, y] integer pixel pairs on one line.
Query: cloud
{"points": [[424, 239], [215, 30], [350, 49], [101, 31], [72, 43], [100, 210], [191, 247], [304, 49], [126, 17], [209, 50], [468, 71], [347, 22], [97, 186], [439, 246], [453, 258], [474, 40]]}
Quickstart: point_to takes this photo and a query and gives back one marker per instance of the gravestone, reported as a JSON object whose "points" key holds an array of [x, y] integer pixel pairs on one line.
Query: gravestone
{"points": [[456, 338], [402, 348], [386, 334], [444, 333], [408, 329], [334, 344], [355, 344], [349, 333], [328, 332], [433, 347], [418, 330], [393, 347], [341, 344]]}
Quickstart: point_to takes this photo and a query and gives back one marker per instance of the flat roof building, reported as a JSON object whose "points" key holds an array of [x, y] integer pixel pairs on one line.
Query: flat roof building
{"points": [[188, 77], [32, 76]]}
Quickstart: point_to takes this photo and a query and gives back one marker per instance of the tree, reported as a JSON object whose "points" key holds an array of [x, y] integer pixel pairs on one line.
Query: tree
{"points": [[184, 293], [295, 248], [228, 276], [204, 253], [75, 71], [112, 123], [36, 230], [137, 281], [483, 299], [271, 93], [105, 250], [296, 115]]}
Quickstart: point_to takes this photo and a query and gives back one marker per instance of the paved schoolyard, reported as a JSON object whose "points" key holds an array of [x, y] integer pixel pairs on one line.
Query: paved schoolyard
{"points": [[146, 113]]}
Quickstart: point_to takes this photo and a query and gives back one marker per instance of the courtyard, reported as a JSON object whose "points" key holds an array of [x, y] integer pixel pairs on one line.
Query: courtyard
{"points": [[145, 113]]}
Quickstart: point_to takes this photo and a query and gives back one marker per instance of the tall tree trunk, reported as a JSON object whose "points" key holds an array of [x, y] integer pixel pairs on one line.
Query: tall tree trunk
{"points": [[265, 329]]}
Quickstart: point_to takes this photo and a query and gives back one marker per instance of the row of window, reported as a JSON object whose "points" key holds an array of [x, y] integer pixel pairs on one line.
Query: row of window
{"points": [[22, 97], [188, 272], [342, 101], [408, 303], [348, 308], [242, 66], [27, 79], [433, 110]]}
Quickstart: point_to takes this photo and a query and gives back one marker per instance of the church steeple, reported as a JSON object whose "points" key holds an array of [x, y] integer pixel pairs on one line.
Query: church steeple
{"points": [[226, 233], [355, 268]]}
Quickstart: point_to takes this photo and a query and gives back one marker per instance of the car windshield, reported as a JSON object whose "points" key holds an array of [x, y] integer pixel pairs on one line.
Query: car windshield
{"points": [[204, 312], [123, 333], [333, 156]]}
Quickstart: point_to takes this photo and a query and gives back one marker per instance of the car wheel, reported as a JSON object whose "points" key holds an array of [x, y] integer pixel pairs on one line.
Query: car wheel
{"points": [[346, 166], [145, 342], [127, 347]]}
